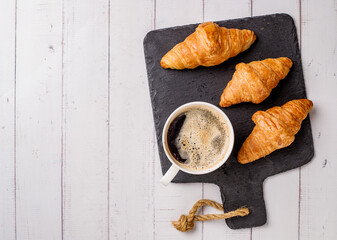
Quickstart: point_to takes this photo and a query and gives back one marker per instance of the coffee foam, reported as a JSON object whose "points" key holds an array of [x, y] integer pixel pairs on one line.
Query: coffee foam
{"points": [[202, 139]]}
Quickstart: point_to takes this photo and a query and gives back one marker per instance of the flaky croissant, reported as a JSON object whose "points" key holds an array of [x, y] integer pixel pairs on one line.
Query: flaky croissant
{"points": [[254, 81], [209, 45], [275, 129]]}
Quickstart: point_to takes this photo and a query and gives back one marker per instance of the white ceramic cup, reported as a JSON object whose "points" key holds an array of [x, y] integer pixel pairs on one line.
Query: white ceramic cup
{"points": [[174, 169]]}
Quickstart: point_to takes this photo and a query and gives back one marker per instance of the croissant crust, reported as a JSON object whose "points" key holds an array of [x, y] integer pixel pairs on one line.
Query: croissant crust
{"points": [[275, 129], [254, 81], [209, 45]]}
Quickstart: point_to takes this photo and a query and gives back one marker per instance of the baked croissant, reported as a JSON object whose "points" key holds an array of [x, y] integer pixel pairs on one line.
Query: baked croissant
{"points": [[209, 45], [254, 81], [275, 129]]}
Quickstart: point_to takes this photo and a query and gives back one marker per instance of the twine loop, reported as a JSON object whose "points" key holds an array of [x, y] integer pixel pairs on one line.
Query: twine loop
{"points": [[186, 223]]}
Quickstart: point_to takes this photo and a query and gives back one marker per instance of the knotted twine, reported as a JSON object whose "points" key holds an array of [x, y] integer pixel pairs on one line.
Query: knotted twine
{"points": [[186, 223]]}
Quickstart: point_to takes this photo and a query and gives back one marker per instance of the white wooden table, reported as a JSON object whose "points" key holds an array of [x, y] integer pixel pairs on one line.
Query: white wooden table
{"points": [[78, 154]]}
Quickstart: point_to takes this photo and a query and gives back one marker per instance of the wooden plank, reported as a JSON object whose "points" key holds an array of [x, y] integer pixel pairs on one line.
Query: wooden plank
{"points": [[131, 124], [85, 126], [38, 111], [175, 199], [7, 126], [221, 10], [318, 179], [281, 192], [216, 10], [175, 13]]}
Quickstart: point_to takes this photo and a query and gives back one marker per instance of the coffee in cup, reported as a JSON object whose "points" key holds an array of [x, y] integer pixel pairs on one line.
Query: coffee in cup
{"points": [[197, 138]]}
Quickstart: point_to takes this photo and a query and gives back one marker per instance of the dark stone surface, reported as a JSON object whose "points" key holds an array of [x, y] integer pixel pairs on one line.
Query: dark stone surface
{"points": [[240, 185]]}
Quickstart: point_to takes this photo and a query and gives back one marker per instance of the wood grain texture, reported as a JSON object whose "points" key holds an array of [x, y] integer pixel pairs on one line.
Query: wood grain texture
{"points": [[217, 10], [319, 185], [85, 122], [131, 127], [282, 220], [7, 120], [175, 13], [38, 122]]}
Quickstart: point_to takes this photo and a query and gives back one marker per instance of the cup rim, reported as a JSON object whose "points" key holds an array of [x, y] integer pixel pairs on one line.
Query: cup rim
{"points": [[231, 138]]}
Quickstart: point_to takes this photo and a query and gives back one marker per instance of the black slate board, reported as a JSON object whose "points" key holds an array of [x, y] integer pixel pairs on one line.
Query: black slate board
{"points": [[240, 185]]}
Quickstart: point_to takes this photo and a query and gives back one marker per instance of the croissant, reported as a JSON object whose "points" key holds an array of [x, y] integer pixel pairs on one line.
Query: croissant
{"points": [[254, 81], [209, 45], [275, 129]]}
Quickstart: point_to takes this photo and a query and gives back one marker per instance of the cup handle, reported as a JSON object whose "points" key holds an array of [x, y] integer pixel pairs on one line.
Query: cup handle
{"points": [[169, 175]]}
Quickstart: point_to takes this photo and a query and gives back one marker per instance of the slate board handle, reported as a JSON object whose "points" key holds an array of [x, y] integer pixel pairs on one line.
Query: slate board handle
{"points": [[243, 194]]}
